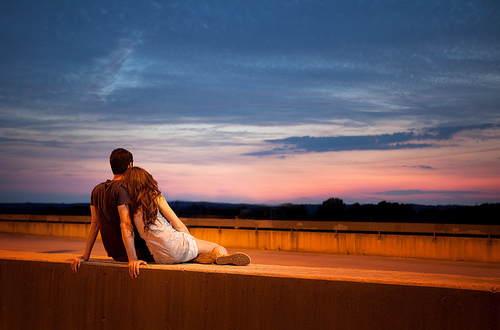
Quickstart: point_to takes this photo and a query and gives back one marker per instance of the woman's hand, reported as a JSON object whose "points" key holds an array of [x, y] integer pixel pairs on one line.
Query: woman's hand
{"points": [[133, 267]]}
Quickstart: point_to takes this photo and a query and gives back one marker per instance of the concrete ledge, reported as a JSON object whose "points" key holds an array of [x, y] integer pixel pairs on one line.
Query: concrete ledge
{"points": [[40, 291]]}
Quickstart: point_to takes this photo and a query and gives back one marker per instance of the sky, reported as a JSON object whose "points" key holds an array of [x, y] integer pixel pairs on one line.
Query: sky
{"points": [[253, 101]]}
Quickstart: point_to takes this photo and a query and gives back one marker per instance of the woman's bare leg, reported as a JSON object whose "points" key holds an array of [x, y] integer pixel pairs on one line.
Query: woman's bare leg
{"points": [[206, 246]]}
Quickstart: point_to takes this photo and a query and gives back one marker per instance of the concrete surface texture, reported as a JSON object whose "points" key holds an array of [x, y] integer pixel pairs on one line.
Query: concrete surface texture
{"points": [[278, 290], [38, 290]]}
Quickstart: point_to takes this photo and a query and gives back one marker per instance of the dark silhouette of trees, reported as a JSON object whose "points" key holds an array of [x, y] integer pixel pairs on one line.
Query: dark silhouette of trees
{"points": [[393, 212], [290, 211], [331, 209], [359, 212]]}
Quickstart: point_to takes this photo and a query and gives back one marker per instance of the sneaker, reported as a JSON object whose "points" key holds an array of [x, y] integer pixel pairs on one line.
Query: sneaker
{"points": [[205, 258], [237, 259]]}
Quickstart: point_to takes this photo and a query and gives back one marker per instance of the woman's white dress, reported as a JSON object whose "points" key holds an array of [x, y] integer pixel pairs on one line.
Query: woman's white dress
{"points": [[167, 245]]}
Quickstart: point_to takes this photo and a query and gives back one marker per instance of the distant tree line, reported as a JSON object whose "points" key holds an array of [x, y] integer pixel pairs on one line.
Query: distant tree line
{"points": [[45, 208], [332, 209]]}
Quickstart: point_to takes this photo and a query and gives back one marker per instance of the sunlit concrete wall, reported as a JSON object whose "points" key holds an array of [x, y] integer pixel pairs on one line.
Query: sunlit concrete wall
{"points": [[43, 293], [72, 230], [408, 246]]}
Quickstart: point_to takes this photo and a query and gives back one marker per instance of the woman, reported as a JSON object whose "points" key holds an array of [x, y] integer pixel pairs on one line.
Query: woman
{"points": [[165, 234]]}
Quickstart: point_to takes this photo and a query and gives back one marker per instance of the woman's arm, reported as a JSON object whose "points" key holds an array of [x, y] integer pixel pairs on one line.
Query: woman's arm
{"points": [[171, 216], [128, 240]]}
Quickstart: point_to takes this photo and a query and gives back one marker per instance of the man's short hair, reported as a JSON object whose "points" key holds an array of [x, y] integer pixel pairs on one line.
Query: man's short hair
{"points": [[119, 160]]}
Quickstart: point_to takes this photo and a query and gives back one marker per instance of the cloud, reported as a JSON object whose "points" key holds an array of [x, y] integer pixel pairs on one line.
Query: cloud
{"points": [[395, 141], [264, 63], [425, 167], [412, 192]]}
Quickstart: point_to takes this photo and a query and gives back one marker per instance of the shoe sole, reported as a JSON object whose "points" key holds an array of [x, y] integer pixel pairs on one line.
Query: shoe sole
{"points": [[237, 259]]}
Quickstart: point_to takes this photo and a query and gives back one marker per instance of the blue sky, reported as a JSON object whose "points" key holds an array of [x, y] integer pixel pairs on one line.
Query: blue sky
{"points": [[262, 101]]}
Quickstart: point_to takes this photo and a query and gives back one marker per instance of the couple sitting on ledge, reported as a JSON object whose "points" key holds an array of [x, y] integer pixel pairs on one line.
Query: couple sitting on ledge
{"points": [[137, 224]]}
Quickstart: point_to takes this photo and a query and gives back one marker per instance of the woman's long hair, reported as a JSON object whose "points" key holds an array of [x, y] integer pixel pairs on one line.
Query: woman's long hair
{"points": [[143, 192]]}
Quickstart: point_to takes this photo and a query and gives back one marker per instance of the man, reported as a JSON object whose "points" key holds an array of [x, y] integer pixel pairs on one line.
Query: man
{"points": [[109, 208]]}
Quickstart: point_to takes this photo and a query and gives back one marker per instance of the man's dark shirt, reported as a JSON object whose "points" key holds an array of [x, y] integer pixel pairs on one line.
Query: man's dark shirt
{"points": [[106, 197]]}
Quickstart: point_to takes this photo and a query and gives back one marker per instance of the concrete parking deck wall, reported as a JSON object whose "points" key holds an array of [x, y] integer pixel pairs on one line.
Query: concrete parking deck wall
{"points": [[39, 291], [402, 246], [473, 243]]}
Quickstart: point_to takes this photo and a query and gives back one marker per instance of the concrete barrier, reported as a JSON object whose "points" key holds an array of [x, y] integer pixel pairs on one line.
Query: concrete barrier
{"points": [[401, 246], [70, 230], [454, 242], [39, 291]]}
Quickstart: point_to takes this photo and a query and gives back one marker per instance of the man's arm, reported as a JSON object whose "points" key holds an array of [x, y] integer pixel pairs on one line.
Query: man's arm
{"points": [[171, 216], [91, 237], [128, 240]]}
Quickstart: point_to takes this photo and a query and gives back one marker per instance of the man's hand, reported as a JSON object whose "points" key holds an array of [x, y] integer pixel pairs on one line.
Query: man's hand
{"points": [[75, 264], [133, 267]]}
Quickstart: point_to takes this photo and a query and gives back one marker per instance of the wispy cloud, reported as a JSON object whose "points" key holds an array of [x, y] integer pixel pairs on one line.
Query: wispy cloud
{"points": [[412, 192], [424, 167], [428, 137]]}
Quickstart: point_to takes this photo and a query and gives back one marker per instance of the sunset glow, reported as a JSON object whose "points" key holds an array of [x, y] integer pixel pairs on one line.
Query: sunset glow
{"points": [[268, 102]]}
